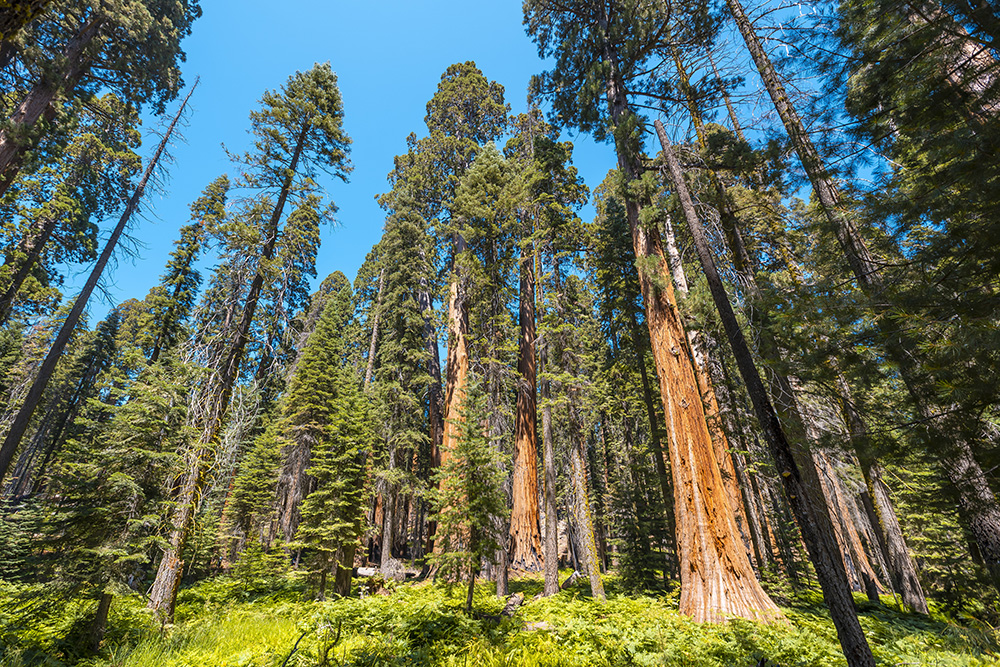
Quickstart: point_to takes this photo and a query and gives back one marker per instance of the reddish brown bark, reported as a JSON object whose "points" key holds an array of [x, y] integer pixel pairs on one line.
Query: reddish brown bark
{"points": [[526, 540]]}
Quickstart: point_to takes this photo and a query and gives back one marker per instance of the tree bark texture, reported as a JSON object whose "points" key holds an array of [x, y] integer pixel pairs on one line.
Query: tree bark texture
{"points": [[828, 564], [525, 535], [551, 559], [717, 580]]}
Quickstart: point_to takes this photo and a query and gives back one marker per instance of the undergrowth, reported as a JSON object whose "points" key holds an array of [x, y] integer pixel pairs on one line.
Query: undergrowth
{"points": [[220, 625]]}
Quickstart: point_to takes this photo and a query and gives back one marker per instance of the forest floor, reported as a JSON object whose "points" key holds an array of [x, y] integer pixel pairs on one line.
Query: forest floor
{"points": [[224, 622]]}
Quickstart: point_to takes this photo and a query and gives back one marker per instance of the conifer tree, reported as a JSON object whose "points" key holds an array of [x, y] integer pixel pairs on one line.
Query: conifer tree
{"points": [[54, 210], [132, 48], [612, 43], [31, 400], [324, 409], [298, 133], [171, 304], [467, 506]]}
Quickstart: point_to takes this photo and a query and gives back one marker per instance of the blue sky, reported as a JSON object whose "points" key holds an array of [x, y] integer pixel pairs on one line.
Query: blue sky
{"points": [[389, 57]]}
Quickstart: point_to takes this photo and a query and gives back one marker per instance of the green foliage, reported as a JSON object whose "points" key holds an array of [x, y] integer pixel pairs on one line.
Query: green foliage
{"points": [[470, 499], [424, 625], [259, 569]]}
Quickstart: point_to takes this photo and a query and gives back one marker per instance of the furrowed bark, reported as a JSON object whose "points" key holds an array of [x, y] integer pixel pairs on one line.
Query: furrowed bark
{"points": [[829, 566], [526, 541], [717, 580]]}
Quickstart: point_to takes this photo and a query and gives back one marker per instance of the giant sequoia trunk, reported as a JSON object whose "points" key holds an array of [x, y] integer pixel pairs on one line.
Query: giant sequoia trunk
{"points": [[526, 541], [978, 505], [829, 566], [717, 580], [457, 369], [23, 418], [163, 594]]}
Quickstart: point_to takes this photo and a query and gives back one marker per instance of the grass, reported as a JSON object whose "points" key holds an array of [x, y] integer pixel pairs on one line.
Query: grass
{"points": [[220, 625]]}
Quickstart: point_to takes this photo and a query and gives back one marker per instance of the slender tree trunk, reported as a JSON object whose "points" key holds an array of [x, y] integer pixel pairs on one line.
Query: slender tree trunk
{"points": [[902, 569], [100, 623], [551, 559], [388, 517], [979, 508], [376, 313], [38, 101], [829, 566], [717, 580], [27, 254], [34, 396], [581, 504], [525, 536], [168, 577]]}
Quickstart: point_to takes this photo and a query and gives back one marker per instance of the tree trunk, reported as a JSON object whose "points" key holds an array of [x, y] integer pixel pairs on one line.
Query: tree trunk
{"points": [[168, 577], [376, 313], [345, 566], [100, 623], [23, 418], [458, 359], [551, 559], [388, 517], [38, 101], [829, 567], [717, 580], [581, 504], [980, 510], [525, 537], [902, 569]]}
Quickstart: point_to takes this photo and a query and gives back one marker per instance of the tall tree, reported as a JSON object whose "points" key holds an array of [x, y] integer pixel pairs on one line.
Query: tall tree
{"points": [[23, 418], [298, 133], [131, 48], [609, 42], [979, 506]]}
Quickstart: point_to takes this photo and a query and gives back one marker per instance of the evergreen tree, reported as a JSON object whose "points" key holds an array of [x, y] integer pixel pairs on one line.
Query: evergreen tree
{"points": [[324, 409], [467, 506]]}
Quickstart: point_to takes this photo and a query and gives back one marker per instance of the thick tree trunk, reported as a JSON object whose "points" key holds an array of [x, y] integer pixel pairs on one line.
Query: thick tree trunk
{"points": [[525, 536], [698, 348], [717, 580], [38, 101], [168, 577], [23, 418], [829, 567], [345, 565], [980, 511]]}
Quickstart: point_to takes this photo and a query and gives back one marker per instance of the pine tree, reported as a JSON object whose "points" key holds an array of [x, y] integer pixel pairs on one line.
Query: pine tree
{"points": [[324, 409], [171, 304]]}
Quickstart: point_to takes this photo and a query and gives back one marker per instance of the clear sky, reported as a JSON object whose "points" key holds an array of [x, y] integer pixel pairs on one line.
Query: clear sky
{"points": [[389, 57]]}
